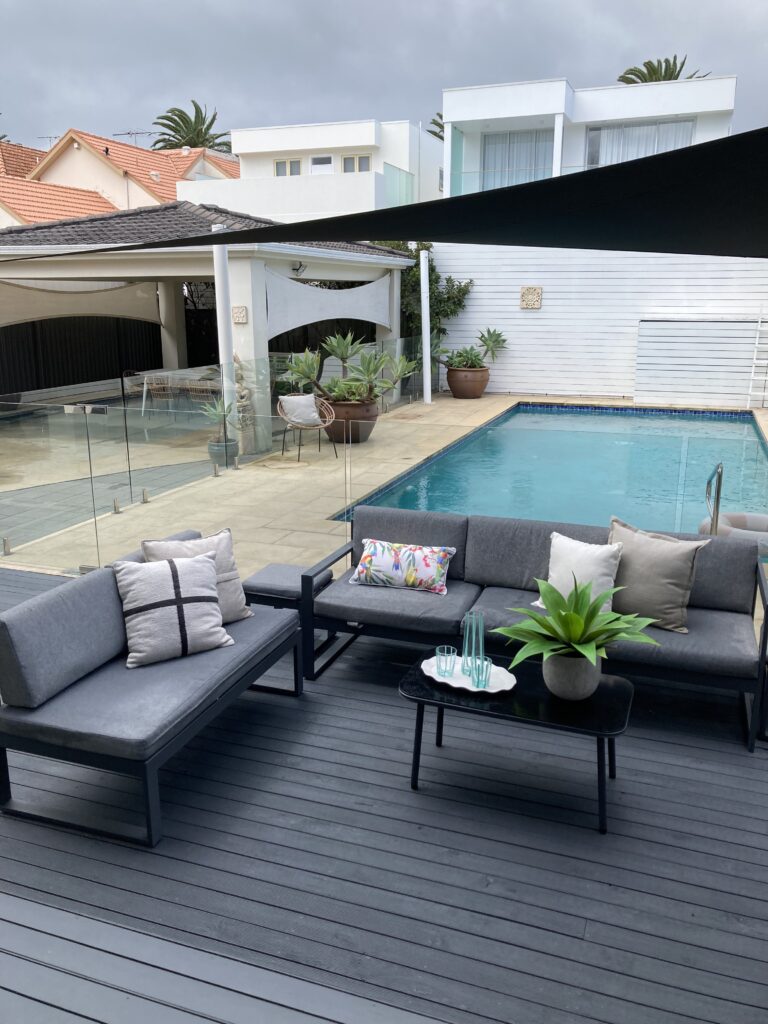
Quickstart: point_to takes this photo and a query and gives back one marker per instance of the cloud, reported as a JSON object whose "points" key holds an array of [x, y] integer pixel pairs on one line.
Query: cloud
{"points": [[109, 67]]}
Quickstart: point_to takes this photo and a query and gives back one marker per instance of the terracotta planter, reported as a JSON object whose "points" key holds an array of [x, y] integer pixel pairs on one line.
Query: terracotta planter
{"points": [[468, 383], [354, 421], [571, 678]]}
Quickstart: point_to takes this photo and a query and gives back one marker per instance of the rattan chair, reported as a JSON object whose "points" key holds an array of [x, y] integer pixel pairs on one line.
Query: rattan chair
{"points": [[326, 414], [162, 393]]}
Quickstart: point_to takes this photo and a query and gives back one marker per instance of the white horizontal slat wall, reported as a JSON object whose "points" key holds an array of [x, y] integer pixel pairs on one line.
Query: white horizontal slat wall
{"points": [[583, 341], [695, 362]]}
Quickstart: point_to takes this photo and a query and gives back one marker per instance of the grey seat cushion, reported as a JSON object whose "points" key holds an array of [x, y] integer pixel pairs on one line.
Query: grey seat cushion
{"points": [[281, 580], [406, 526], [717, 643], [131, 713], [495, 602], [53, 639], [398, 607]]}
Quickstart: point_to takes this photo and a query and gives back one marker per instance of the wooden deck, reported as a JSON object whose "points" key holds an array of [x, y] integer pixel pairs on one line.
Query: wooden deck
{"points": [[301, 880]]}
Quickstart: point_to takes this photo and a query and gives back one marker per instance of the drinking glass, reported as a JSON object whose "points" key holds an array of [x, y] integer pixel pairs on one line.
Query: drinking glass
{"points": [[446, 660], [481, 673]]}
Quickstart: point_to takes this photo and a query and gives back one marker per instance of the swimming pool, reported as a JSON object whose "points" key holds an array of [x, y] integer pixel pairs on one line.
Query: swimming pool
{"points": [[583, 465]]}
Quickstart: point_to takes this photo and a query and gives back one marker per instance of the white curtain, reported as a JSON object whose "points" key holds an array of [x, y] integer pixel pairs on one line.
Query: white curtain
{"points": [[674, 135], [631, 141], [511, 158], [495, 160], [639, 140]]}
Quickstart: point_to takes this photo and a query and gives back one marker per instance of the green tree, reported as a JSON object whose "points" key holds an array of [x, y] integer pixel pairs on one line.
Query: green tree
{"points": [[661, 70], [179, 128], [447, 297], [438, 128]]}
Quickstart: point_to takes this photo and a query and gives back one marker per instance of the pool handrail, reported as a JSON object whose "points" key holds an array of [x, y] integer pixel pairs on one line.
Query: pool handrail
{"points": [[714, 505]]}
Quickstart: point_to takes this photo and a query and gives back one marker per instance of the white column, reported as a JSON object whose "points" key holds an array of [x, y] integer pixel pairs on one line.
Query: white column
{"points": [[447, 140], [224, 321], [557, 149], [173, 328], [250, 341], [426, 348]]}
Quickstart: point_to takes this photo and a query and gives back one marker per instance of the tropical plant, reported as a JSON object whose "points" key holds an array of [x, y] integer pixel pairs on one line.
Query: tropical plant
{"points": [[374, 375], [179, 128], [3, 137], [219, 415], [473, 357], [438, 128], [660, 70], [447, 297], [575, 626]]}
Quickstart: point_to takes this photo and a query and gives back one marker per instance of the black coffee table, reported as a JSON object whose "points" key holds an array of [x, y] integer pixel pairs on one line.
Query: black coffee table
{"points": [[604, 715]]}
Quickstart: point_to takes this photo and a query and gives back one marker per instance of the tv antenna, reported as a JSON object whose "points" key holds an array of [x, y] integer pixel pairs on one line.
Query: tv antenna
{"points": [[134, 134], [48, 138]]}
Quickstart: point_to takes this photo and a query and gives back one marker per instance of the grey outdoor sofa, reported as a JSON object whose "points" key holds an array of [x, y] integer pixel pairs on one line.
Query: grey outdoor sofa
{"points": [[67, 694], [494, 569]]}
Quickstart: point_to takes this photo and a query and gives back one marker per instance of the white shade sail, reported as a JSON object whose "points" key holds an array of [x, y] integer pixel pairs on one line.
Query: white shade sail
{"points": [[291, 304]]}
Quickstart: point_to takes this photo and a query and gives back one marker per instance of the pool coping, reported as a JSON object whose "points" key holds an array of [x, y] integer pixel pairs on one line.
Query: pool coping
{"points": [[346, 514]]}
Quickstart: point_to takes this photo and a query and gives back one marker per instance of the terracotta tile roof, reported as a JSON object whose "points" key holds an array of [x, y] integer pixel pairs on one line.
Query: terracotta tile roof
{"points": [[156, 170], [158, 223], [36, 202], [17, 161]]}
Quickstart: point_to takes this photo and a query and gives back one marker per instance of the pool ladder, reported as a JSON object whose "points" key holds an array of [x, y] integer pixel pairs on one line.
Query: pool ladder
{"points": [[714, 483]]}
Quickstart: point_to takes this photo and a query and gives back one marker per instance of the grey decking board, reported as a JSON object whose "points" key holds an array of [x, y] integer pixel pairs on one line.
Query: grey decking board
{"points": [[472, 823], [24, 1009]]}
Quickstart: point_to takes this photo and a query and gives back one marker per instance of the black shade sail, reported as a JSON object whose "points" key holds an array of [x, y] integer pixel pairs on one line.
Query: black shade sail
{"points": [[709, 199]]}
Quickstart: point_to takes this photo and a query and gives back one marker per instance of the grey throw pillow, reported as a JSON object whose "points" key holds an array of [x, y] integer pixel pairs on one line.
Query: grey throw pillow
{"points": [[171, 608], [230, 589], [657, 572], [301, 410]]}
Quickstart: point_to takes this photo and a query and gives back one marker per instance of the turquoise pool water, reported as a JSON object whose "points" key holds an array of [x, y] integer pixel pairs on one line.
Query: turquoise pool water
{"points": [[540, 462]]}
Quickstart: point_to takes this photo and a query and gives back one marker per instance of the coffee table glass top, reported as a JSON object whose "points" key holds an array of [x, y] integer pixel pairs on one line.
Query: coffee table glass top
{"points": [[605, 713]]}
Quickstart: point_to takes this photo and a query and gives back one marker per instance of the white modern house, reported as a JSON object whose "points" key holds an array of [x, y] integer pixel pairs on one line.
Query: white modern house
{"points": [[645, 326], [299, 172]]}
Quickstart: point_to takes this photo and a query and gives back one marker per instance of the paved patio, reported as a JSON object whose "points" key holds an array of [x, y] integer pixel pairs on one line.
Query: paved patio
{"points": [[300, 879]]}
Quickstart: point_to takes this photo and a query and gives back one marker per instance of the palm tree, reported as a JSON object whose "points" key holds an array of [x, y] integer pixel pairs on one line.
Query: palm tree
{"points": [[3, 138], [196, 130], [438, 128], [665, 70]]}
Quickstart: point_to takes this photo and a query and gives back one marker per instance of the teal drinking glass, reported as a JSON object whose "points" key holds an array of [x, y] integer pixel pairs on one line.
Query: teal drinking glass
{"points": [[481, 673], [445, 658]]}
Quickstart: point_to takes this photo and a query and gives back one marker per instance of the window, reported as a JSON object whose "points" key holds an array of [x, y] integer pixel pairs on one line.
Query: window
{"points": [[352, 164], [321, 165], [615, 143], [440, 179], [286, 167], [510, 158]]}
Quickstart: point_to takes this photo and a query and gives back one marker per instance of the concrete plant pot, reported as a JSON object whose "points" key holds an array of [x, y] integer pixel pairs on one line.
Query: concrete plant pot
{"points": [[467, 383], [354, 421], [223, 453], [571, 678]]}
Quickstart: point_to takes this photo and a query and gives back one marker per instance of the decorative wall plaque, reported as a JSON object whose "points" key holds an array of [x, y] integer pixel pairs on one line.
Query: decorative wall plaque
{"points": [[530, 297], [239, 314]]}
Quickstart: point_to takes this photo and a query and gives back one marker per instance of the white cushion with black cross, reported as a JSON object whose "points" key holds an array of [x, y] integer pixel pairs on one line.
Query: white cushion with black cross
{"points": [[171, 608]]}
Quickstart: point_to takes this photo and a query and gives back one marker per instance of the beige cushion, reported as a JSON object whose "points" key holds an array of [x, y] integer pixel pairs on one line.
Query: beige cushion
{"points": [[589, 563], [230, 589], [657, 572], [171, 608]]}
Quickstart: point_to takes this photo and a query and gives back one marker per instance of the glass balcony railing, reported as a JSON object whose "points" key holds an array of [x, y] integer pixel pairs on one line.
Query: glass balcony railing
{"points": [[466, 182]]}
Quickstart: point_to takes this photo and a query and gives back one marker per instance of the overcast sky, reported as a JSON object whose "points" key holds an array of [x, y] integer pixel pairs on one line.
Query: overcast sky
{"points": [[107, 66]]}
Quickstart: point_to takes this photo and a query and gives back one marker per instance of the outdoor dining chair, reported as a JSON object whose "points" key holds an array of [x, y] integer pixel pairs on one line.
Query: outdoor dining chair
{"points": [[293, 421]]}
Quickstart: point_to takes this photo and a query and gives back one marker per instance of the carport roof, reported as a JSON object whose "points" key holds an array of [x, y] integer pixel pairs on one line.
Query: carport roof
{"points": [[156, 224]]}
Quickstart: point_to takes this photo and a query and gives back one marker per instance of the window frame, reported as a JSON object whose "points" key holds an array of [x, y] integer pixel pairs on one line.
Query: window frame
{"points": [[357, 157], [642, 122], [287, 161], [321, 156]]}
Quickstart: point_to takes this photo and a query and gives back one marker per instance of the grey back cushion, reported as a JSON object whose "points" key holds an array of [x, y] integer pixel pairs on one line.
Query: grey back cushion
{"points": [[515, 552], [138, 555], [406, 526], [52, 640]]}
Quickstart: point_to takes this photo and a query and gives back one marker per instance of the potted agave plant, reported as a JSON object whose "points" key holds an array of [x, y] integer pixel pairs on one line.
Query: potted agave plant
{"points": [[222, 447], [467, 371], [573, 637], [354, 395]]}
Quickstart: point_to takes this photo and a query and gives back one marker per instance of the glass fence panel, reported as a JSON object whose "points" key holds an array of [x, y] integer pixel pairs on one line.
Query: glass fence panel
{"points": [[47, 514]]}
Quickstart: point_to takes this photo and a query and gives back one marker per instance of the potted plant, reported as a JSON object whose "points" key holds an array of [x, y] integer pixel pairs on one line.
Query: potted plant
{"points": [[573, 637], [354, 395], [467, 372], [222, 448]]}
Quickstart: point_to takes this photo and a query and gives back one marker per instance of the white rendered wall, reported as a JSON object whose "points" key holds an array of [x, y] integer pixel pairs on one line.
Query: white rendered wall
{"points": [[7, 219], [80, 168], [583, 341]]}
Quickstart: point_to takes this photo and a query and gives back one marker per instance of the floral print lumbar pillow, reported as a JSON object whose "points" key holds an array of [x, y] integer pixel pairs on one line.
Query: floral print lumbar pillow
{"points": [[385, 564]]}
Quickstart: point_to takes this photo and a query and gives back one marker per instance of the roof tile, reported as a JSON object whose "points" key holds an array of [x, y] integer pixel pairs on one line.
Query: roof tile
{"points": [[38, 202], [17, 161]]}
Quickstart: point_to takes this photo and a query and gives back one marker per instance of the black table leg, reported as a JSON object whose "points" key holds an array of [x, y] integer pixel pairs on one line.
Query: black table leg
{"points": [[439, 729], [417, 746], [601, 784], [612, 758]]}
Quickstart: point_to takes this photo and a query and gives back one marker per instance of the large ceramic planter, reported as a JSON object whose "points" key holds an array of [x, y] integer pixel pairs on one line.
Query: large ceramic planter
{"points": [[467, 383], [223, 453], [571, 678], [354, 421]]}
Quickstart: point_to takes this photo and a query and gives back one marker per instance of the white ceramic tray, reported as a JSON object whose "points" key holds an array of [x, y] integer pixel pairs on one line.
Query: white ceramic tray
{"points": [[500, 680]]}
